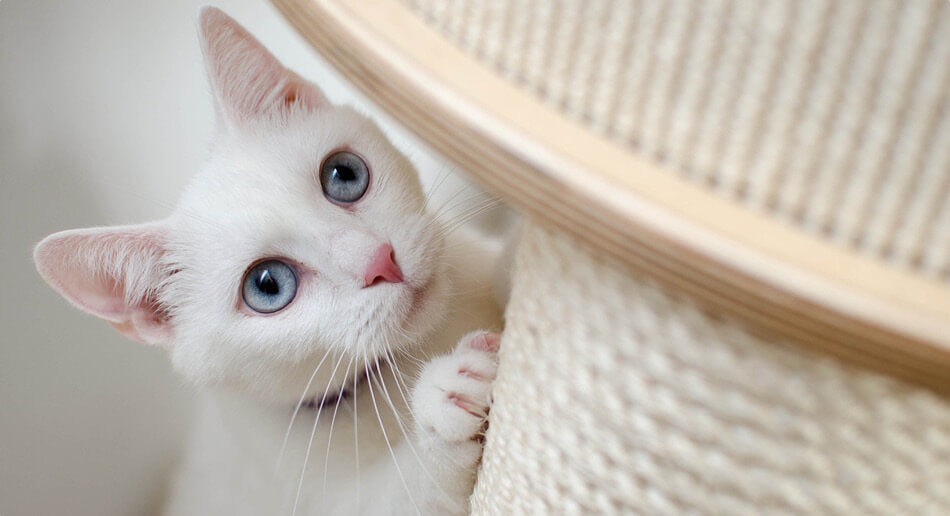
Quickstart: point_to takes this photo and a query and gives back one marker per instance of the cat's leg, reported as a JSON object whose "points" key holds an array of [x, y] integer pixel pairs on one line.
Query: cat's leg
{"points": [[450, 402]]}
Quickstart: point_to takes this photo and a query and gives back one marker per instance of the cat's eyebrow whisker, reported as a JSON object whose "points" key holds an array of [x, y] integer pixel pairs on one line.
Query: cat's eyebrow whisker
{"points": [[326, 458], [313, 432], [382, 427], [303, 396]]}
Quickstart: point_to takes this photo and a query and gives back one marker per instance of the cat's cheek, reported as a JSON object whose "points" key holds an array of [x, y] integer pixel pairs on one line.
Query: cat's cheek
{"points": [[428, 309]]}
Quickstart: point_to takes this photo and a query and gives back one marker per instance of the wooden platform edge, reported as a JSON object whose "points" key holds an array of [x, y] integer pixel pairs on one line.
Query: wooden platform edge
{"points": [[784, 282]]}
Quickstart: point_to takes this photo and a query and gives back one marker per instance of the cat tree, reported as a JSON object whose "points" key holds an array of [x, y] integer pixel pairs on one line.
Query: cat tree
{"points": [[733, 292]]}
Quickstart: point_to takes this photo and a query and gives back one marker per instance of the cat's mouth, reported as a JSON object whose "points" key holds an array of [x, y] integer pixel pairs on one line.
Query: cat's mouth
{"points": [[349, 388]]}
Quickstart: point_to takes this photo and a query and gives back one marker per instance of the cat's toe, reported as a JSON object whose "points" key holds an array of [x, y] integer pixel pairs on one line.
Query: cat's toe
{"points": [[453, 395], [481, 341]]}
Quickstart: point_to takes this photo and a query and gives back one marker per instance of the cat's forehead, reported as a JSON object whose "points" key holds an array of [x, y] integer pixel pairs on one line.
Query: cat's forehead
{"points": [[281, 160], [263, 185]]}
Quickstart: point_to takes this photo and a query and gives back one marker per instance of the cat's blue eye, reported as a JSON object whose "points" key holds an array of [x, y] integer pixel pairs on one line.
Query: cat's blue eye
{"points": [[269, 286], [344, 177]]}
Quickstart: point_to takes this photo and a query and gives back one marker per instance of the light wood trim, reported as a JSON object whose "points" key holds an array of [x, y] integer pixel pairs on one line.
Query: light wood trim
{"points": [[780, 279]]}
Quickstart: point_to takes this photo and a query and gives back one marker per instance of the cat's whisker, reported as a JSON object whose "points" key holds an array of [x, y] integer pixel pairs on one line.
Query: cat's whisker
{"points": [[303, 396], [473, 210], [486, 240], [276, 150], [435, 187], [381, 381], [406, 337], [336, 408], [459, 205], [405, 353], [356, 433], [449, 199], [456, 203], [465, 217], [389, 445], [453, 202], [397, 374], [313, 432]]}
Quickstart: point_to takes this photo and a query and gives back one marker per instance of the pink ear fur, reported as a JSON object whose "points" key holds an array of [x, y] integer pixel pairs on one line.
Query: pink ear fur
{"points": [[247, 80], [113, 273]]}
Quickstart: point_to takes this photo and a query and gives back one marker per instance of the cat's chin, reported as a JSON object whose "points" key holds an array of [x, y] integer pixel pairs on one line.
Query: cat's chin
{"points": [[344, 391]]}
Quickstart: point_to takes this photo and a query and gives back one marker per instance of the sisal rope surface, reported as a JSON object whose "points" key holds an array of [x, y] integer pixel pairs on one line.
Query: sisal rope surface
{"points": [[615, 396], [830, 115]]}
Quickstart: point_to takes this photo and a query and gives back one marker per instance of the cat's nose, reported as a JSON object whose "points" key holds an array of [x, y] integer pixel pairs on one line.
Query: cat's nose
{"points": [[383, 268]]}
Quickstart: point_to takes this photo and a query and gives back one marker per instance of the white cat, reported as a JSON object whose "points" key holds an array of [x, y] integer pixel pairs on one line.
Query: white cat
{"points": [[296, 281]]}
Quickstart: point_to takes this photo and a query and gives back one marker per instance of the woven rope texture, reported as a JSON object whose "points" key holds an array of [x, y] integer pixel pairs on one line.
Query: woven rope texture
{"points": [[831, 115], [614, 396]]}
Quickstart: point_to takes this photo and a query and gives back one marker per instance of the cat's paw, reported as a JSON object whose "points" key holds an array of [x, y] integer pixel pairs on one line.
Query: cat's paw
{"points": [[453, 395]]}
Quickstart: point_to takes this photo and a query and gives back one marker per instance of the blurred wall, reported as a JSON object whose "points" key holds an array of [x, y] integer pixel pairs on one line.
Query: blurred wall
{"points": [[104, 114]]}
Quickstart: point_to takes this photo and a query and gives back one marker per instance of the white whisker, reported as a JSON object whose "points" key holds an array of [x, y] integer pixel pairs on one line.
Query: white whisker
{"points": [[382, 427], [405, 433], [356, 436], [397, 374], [313, 432], [336, 408], [303, 395]]}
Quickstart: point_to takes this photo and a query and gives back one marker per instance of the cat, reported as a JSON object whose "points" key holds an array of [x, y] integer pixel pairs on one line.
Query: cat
{"points": [[298, 282]]}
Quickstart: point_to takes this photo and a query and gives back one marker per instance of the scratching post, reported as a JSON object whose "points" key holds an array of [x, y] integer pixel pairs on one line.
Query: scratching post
{"points": [[732, 295]]}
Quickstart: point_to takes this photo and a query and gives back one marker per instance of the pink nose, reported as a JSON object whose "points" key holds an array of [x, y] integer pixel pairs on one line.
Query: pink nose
{"points": [[383, 268]]}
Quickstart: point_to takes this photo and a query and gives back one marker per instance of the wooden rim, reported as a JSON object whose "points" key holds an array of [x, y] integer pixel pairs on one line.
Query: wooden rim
{"points": [[785, 282]]}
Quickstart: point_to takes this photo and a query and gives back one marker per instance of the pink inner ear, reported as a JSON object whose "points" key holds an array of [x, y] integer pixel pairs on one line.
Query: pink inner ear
{"points": [[299, 91], [61, 263], [103, 298], [111, 273], [247, 80]]}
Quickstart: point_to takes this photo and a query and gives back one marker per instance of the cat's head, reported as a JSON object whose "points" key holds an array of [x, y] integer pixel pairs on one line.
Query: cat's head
{"points": [[304, 233]]}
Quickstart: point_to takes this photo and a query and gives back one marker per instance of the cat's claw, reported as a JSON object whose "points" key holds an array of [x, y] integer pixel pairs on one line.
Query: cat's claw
{"points": [[453, 395]]}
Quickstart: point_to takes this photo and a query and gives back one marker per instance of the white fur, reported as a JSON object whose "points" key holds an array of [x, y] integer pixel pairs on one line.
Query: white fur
{"points": [[177, 283]]}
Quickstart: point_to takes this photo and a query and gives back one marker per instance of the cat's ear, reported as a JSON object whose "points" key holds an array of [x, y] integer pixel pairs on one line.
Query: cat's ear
{"points": [[114, 273], [247, 80]]}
